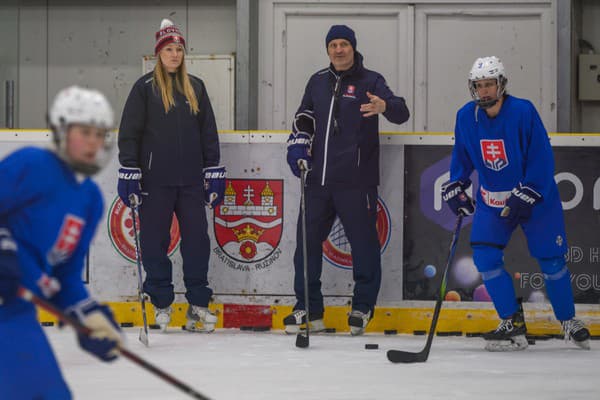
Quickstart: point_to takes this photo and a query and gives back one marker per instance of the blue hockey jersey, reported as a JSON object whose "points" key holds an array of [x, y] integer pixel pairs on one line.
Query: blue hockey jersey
{"points": [[506, 150], [52, 214]]}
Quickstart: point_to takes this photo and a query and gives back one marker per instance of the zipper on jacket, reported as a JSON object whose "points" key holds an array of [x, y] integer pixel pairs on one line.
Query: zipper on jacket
{"points": [[150, 162], [337, 84], [358, 161]]}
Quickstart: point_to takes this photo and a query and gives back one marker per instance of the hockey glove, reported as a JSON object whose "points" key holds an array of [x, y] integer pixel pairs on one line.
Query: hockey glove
{"points": [[105, 337], [129, 187], [304, 121], [453, 193], [519, 204], [214, 185], [10, 272], [298, 152]]}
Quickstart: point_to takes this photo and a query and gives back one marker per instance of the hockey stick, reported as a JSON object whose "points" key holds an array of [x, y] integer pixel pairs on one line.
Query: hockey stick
{"points": [[302, 339], [27, 295], [138, 259], [399, 356]]}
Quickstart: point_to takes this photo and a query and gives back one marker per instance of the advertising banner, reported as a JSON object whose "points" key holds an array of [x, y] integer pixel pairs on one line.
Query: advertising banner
{"points": [[428, 226]]}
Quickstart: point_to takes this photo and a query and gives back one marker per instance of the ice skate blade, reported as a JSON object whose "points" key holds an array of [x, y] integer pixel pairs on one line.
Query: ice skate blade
{"points": [[356, 331], [517, 343], [192, 326], [315, 327], [584, 344]]}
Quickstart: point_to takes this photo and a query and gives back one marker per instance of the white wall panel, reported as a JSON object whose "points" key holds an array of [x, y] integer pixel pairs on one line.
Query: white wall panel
{"points": [[450, 37], [293, 48]]}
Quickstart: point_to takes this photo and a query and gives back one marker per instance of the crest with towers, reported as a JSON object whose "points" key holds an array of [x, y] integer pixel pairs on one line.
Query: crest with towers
{"points": [[249, 222]]}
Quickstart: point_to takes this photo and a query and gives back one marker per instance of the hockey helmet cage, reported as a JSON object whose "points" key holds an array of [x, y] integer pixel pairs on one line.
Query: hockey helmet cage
{"points": [[487, 68]]}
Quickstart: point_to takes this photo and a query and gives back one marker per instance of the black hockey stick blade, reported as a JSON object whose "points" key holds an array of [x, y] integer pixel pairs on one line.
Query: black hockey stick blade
{"points": [[406, 357], [302, 340], [399, 356]]}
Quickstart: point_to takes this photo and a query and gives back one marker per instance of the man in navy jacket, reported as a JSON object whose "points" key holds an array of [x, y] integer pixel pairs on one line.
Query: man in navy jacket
{"points": [[335, 136]]}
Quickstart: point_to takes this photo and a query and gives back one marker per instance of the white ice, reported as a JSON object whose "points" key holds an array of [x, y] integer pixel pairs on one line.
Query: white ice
{"points": [[231, 364]]}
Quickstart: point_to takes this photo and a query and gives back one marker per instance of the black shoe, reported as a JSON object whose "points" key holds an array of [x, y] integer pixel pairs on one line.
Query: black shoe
{"points": [[576, 331], [509, 335]]}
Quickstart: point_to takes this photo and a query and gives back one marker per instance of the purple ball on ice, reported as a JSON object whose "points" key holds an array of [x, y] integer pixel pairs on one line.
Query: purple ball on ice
{"points": [[430, 271]]}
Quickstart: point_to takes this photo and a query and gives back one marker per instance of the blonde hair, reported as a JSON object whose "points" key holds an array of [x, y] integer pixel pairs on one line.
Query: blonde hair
{"points": [[164, 84]]}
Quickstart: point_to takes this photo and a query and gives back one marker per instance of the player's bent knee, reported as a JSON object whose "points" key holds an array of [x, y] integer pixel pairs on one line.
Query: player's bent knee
{"points": [[553, 268], [487, 259]]}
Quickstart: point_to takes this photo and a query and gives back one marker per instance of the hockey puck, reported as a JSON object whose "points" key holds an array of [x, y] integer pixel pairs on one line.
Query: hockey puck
{"points": [[261, 328], [47, 323], [419, 333], [246, 328], [329, 330], [154, 326], [531, 341], [390, 332], [126, 324], [371, 346]]}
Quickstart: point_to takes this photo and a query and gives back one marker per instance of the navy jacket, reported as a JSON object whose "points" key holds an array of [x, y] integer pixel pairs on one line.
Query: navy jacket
{"points": [[345, 147], [170, 148]]}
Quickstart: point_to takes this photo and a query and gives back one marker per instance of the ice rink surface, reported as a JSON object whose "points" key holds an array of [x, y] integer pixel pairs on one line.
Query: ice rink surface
{"points": [[234, 365]]}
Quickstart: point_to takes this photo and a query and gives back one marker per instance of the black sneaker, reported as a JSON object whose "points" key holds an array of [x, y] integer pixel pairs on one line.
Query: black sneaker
{"points": [[509, 335], [576, 331], [297, 318]]}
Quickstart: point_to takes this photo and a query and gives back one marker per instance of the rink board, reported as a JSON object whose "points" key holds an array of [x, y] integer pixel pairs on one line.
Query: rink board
{"points": [[252, 247]]}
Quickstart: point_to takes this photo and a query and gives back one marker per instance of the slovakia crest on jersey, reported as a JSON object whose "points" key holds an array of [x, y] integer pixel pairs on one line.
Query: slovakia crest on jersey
{"points": [[67, 240], [249, 222], [493, 153]]}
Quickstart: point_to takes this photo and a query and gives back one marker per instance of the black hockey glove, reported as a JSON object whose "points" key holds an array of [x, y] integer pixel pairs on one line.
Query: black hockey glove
{"points": [[519, 204], [214, 185], [453, 193], [129, 187]]}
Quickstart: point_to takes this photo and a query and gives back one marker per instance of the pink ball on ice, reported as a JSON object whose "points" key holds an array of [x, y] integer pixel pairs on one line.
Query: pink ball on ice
{"points": [[481, 294]]}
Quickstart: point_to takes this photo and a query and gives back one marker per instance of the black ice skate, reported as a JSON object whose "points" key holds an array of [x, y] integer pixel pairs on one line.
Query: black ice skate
{"points": [[294, 321], [576, 331], [358, 321], [509, 335]]}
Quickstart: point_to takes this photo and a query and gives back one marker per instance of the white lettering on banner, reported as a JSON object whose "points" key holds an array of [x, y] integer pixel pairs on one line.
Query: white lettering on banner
{"points": [[214, 175], [596, 195], [583, 282], [577, 185]]}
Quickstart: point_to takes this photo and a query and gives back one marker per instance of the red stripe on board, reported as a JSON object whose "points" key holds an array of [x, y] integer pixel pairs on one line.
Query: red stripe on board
{"points": [[236, 315]]}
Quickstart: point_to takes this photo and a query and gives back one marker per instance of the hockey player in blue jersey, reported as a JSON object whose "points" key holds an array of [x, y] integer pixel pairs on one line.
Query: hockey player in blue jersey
{"points": [[49, 210], [502, 137]]}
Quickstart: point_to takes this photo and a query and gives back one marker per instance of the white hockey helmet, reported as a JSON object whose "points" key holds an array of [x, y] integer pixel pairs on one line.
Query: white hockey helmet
{"points": [[77, 105], [487, 68]]}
